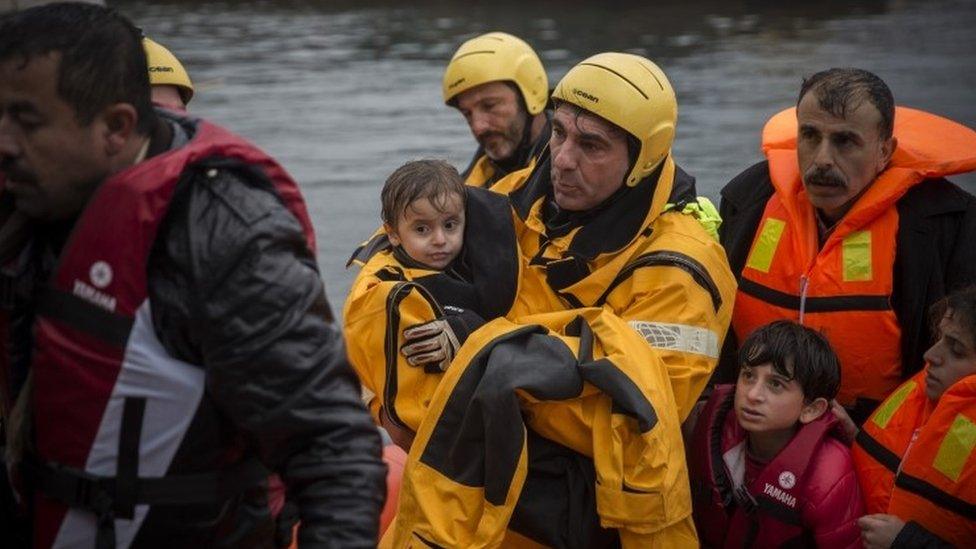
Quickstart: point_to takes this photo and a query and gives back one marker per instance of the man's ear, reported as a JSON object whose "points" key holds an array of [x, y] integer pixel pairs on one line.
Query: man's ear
{"points": [[813, 410], [391, 234], [887, 149], [119, 123]]}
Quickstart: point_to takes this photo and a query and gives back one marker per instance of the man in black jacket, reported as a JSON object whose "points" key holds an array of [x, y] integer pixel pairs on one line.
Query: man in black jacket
{"points": [[168, 329], [849, 226]]}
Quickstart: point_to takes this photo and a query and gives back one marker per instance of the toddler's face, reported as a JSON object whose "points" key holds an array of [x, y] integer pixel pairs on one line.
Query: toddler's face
{"points": [[428, 234]]}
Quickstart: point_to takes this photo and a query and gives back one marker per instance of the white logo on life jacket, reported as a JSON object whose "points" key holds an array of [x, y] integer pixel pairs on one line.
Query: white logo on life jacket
{"points": [[100, 274], [787, 480], [779, 495], [92, 295]]}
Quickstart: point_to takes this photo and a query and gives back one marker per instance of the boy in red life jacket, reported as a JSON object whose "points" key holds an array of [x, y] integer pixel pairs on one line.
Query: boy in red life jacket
{"points": [[765, 466], [915, 455]]}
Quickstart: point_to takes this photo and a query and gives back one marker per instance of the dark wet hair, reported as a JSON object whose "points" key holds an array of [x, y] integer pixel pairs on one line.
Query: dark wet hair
{"points": [[795, 352], [434, 180], [960, 306], [102, 60], [840, 90]]}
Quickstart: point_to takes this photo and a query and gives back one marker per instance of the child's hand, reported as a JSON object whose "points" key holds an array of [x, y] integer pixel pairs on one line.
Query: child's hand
{"points": [[850, 428], [879, 531]]}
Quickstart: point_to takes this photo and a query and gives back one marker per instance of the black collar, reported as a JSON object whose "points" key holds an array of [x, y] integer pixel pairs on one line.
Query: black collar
{"points": [[610, 226]]}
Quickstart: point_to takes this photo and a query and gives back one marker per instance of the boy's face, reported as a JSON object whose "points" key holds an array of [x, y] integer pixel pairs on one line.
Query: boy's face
{"points": [[429, 235], [767, 401], [952, 358]]}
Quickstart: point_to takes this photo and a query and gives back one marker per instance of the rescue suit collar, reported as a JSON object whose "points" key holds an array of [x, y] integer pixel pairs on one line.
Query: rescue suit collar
{"points": [[615, 223], [560, 222], [404, 259]]}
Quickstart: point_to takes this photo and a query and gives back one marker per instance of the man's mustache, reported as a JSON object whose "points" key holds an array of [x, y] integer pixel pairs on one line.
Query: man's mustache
{"points": [[488, 135], [824, 177]]}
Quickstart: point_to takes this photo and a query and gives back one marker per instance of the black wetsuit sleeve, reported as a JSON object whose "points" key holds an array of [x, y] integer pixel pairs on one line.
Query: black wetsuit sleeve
{"points": [[914, 536], [743, 201], [236, 290], [961, 271], [463, 322]]}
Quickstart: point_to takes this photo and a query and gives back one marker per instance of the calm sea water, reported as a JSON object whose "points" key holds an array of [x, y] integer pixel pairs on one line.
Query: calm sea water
{"points": [[344, 92]]}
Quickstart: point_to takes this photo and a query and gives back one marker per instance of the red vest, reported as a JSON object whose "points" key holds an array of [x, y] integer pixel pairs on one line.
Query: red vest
{"points": [[916, 460], [107, 398], [771, 514], [843, 288]]}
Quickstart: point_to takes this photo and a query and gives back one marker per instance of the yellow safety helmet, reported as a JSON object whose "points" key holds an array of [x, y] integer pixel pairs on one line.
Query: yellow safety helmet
{"points": [[166, 69], [631, 92], [498, 56]]}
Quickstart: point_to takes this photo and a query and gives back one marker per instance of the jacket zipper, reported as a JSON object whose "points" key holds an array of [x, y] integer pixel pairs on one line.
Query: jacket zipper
{"points": [[668, 259], [804, 284]]}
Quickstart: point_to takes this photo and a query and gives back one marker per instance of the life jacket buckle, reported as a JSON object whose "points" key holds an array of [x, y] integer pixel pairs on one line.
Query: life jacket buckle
{"points": [[745, 499]]}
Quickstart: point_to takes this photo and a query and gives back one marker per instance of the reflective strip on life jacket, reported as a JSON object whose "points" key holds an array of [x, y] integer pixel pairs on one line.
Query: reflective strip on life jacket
{"points": [[883, 440], [843, 290], [844, 287], [936, 485], [918, 462], [763, 250], [956, 448], [882, 416]]}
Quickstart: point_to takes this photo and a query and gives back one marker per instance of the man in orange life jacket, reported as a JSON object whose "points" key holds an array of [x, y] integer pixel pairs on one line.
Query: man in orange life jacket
{"points": [[850, 228], [169, 311]]}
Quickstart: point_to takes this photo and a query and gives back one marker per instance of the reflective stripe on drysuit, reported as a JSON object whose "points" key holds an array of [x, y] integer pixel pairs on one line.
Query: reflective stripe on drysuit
{"points": [[653, 266], [580, 378]]}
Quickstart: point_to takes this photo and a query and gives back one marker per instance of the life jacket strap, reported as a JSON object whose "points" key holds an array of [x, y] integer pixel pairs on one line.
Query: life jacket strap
{"points": [[99, 494], [745, 499]]}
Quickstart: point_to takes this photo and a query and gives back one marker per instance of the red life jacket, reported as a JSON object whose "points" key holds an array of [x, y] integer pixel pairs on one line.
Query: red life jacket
{"points": [[843, 288], [770, 511], [916, 459], [108, 400]]}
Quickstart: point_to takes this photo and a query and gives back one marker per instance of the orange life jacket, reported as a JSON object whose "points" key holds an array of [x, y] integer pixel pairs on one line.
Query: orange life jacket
{"points": [[844, 287], [916, 460]]}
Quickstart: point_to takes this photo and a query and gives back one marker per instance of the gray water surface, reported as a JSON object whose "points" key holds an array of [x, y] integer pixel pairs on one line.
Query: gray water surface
{"points": [[344, 92]]}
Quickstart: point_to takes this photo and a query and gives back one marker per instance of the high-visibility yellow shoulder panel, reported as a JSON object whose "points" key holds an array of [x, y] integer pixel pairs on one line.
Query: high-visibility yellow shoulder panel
{"points": [[888, 408], [761, 256], [856, 254], [956, 447]]}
